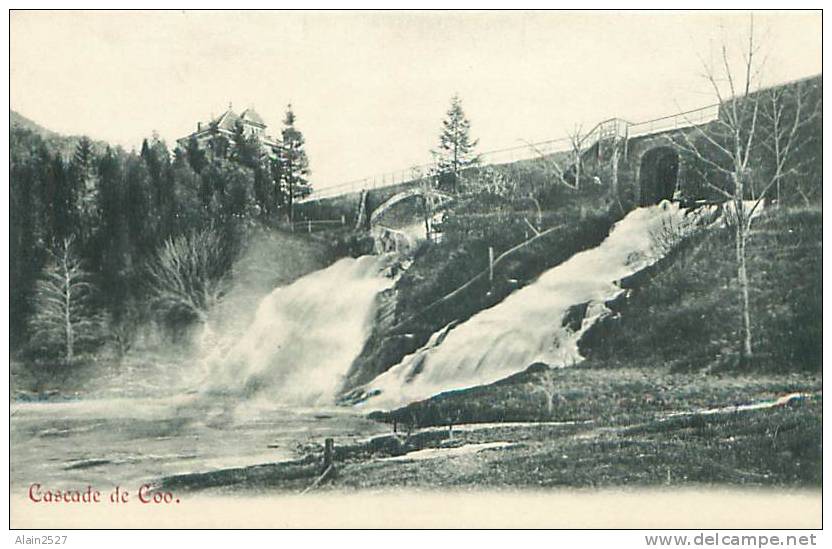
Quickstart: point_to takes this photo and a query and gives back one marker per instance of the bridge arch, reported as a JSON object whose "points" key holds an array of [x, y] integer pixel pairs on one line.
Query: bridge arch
{"points": [[658, 175], [434, 197]]}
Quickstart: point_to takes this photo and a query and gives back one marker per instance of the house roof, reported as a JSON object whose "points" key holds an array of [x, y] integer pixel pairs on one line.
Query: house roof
{"points": [[226, 121], [250, 115]]}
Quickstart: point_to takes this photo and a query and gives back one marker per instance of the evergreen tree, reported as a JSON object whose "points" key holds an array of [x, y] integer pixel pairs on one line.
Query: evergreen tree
{"points": [[61, 200], [156, 157], [24, 246], [456, 148], [196, 156], [294, 165], [113, 239], [264, 195], [189, 212], [247, 149], [84, 173], [137, 200], [29, 227]]}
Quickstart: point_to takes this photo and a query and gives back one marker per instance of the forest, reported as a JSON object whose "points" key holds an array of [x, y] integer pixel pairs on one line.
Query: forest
{"points": [[104, 240]]}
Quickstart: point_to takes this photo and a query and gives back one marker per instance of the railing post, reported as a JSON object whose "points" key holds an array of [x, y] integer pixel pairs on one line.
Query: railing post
{"points": [[329, 453], [491, 265]]}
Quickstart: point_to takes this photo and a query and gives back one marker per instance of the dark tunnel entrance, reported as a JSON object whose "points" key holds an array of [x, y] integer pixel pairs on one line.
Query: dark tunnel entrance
{"points": [[658, 175]]}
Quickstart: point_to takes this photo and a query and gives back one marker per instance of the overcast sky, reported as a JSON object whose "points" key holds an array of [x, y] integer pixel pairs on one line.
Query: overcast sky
{"points": [[370, 89]]}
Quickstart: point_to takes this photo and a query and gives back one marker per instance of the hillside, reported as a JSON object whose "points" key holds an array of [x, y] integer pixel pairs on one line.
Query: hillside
{"points": [[676, 324], [17, 120], [681, 315], [659, 394], [65, 144]]}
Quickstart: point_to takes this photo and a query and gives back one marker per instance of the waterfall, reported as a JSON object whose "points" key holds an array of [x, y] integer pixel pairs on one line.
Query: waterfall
{"points": [[528, 326], [304, 336]]}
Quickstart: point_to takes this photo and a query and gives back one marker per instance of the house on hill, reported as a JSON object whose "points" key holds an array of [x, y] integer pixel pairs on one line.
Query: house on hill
{"points": [[226, 126]]}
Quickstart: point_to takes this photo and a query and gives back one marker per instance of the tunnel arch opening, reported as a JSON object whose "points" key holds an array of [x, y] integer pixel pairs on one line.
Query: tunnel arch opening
{"points": [[658, 175]]}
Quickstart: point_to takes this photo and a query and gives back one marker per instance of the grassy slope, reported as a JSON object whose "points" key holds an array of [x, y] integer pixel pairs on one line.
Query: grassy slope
{"points": [[684, 313], [777, 447], [671, 350], [667, 352], [630, 441], [412, 313]]}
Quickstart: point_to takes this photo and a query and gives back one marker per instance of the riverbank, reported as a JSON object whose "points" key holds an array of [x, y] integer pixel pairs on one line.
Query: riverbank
{"points": [[700, 431]]}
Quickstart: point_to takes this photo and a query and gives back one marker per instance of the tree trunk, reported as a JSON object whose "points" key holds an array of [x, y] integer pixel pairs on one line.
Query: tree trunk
{"points": [[746, 354], [291, 201], [67, 313]]}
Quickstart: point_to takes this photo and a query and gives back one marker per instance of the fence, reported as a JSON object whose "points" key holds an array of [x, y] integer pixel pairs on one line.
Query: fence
{"points": [[678, 121], [310, 225], [613, 127]]}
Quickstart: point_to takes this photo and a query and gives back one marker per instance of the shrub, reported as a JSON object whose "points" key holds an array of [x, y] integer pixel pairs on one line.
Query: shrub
{"points": [[190, 274]]}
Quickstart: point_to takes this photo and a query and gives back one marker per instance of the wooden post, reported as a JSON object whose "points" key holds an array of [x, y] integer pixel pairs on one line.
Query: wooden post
{"points": [[343, 219], [329, 453], [395, 426], [491, 265], [309, 225]]}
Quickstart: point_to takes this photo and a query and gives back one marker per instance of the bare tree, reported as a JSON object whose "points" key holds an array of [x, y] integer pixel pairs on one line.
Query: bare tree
{"points": [[726, 146], [788, 111], [63, 317], [190, 273], [576, 140], [545, 382]]}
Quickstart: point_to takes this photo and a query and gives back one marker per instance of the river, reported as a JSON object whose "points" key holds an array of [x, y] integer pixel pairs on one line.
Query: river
{"points": [[128, 442]]}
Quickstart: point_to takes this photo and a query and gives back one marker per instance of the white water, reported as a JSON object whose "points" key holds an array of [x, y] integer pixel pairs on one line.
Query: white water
{"points": [[263, 390], [527, 327], [304, 336]]}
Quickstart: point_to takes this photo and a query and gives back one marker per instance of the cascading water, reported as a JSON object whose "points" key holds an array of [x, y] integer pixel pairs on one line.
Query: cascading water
{"points": [[528, 326], [304, 336]]}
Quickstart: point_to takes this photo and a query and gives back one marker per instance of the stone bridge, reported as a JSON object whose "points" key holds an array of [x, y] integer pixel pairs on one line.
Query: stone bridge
{"points": [[434, 197], [649, 166], [648, 163]]}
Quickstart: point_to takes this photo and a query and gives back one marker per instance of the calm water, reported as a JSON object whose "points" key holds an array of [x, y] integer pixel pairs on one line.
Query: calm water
{"points": [[252, 395], [127, 442]]}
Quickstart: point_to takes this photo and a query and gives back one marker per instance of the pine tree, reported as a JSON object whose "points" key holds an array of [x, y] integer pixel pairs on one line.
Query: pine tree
{"points": [[196, 156], [456, 148], [247, 148], [85, 179], [113, 243], [61, 200], [156, 157], [24, 246], [294, 165], [137, 200], [63, 318]]}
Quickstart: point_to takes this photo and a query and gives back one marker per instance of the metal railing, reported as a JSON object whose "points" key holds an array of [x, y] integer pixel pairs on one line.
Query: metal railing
{"points": [[616, 127], [687, 119]]}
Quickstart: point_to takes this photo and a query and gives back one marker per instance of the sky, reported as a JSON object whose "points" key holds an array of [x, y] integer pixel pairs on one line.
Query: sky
{"points": [[370, 88]]}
